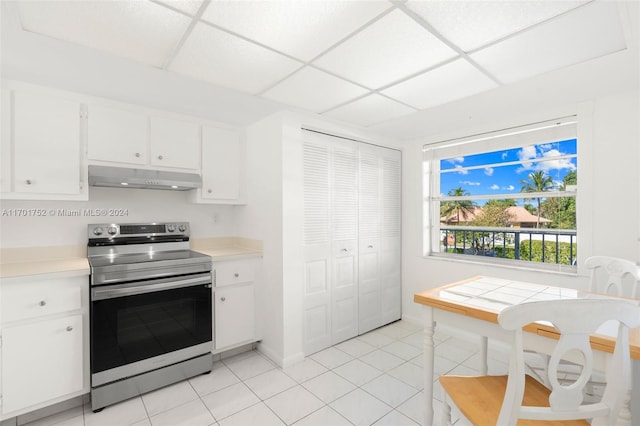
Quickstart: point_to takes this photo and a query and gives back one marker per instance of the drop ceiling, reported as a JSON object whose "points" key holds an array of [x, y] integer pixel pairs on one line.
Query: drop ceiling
{"points": [[363, 62]]}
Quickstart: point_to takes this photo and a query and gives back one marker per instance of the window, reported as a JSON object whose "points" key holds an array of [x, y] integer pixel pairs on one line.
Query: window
{"points": [[506, 196]]}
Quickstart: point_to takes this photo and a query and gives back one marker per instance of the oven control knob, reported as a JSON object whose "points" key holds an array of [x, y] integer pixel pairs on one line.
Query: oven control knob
{"points": [[182, 228], [171, 227], [112, 230], [97, 231]]}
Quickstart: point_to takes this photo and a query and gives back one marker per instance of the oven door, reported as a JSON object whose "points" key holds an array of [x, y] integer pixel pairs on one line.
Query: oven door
{"points": [[141, 326]]}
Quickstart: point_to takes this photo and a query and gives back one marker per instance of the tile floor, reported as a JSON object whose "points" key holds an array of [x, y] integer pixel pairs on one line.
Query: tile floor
{"points": [[374, 379]]}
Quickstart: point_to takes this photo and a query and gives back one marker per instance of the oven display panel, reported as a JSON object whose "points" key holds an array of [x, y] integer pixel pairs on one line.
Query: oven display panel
{"points": [[142, 229]]}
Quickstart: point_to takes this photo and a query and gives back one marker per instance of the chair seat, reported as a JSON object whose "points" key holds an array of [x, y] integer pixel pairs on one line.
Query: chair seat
{"points": [[480, 398]]}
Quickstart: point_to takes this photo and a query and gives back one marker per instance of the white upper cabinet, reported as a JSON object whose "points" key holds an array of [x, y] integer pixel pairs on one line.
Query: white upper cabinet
{"points": [[222, 166], [174, 143], [117, 135], [42, 147], [133, 137]]}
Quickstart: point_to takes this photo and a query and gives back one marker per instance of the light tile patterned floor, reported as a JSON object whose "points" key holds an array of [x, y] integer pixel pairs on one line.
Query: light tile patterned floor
{"points": [[374, 379]]}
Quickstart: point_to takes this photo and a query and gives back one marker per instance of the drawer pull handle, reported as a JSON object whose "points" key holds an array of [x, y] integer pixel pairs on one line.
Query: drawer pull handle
{"points": [[42, 303], [28, 182], [236, 275], [370, 246], [222, 299], [345, 250], [69, 328], [160, 157], [137, 155]]}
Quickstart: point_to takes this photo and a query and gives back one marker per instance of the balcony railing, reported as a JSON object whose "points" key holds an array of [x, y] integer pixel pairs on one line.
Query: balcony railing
{"points": [[532, 244]]}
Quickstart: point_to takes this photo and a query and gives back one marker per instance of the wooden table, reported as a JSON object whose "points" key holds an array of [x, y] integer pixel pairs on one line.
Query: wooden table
{"points": [[473, 305]]}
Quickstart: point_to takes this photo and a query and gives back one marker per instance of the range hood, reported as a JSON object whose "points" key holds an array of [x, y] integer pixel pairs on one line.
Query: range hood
{"points": [[123, 177]]}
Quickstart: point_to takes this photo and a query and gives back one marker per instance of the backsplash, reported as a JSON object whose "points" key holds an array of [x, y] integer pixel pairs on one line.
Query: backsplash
{"points": [[64, 223]]}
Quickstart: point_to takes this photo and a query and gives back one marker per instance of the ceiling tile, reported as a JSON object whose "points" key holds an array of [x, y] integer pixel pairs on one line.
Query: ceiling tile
{"points": [[215, 56], [472, 24], [586, 33], [302, 29], [314, 90], [390, 49], [190, 7], [370, 110], [143, 31], [449, 82]]}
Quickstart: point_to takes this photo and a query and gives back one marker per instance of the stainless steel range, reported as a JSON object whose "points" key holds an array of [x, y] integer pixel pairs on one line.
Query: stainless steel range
{"points": [[151, 312]]}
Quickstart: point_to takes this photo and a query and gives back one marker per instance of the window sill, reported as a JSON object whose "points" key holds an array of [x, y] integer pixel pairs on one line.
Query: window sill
{"points": [[506, 264]]}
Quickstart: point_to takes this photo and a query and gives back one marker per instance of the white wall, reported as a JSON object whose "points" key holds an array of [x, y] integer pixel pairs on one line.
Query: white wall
{"points": [[141, 205], [608, 196], [262, 219]]}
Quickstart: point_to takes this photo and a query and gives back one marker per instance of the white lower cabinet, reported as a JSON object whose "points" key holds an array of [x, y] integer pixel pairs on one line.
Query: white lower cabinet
{"points": [[44, 346], [41, 361], [234, 307]]}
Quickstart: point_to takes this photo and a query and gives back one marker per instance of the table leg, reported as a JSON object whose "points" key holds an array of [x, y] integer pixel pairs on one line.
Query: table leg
{"points": [[484, 364], [429, 350], [635, 391]]}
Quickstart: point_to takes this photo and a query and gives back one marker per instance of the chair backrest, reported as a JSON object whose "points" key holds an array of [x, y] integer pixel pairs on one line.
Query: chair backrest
{"points": [[606, 276], [576, 320]]}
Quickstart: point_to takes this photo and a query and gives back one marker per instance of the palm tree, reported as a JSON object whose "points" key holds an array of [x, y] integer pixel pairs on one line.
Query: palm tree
{"points": [[537, 182], [457, 206]]}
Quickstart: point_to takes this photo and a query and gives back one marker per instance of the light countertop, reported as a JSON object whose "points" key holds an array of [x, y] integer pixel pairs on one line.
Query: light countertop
{"points": [[58, 260], [71, 260]]}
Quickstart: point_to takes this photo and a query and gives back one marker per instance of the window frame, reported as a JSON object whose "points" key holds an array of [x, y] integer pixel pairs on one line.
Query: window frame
{"points": [[560, 129]]}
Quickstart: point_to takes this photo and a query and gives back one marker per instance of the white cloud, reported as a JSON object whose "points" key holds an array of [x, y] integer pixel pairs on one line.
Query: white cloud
{"points": [[504, 155], [456, 160], [497, 187], [470, 183], [546, 151], [488, 171], [527, 153], [460, 171]]}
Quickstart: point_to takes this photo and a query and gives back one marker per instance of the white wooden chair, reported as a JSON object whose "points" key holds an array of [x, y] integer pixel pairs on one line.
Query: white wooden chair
{"points": [[607, 276], [502, 400]]}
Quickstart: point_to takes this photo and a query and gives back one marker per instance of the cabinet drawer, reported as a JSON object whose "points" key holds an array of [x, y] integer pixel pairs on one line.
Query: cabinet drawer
{"points": [[23, 300], [235, 271]]}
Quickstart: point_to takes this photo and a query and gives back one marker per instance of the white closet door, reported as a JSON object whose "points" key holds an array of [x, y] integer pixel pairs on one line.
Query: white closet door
{"points": [[390, 274], [344, 226], [317, 247], [369, 292]]}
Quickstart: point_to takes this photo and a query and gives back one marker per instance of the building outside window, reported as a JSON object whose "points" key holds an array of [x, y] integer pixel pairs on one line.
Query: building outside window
{"points": [[506, 197]]}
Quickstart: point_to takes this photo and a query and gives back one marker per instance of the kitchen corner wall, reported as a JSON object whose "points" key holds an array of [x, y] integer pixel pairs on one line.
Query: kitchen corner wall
{"points": [[65, 222]]}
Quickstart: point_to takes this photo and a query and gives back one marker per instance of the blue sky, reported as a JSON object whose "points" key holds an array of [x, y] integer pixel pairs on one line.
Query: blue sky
{"points": [[495, 178]]}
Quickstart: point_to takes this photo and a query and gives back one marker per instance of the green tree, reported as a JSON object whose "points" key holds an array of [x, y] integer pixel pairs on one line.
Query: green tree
{"points": [[494, 213], [457, 207], [537, 181], [562, 209]]}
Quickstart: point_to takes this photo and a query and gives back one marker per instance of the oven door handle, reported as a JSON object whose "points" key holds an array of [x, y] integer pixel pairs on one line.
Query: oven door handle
{"points": [[141, 288]]}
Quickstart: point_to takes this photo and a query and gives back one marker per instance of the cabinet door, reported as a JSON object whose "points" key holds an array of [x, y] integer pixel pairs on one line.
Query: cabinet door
{"points": [[234, 315], [221, 164], [174, 143], [117, 135], [390, 245], [369, 232], [46, 144], [344, 227], [41, 361]]}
